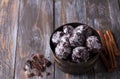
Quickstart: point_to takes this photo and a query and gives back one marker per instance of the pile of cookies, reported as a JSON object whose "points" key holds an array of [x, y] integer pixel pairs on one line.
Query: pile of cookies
{"points": [[77, 44]]}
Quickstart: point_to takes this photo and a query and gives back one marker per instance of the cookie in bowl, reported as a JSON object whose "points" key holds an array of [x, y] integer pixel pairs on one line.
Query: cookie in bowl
{"points": [[77, 49]]}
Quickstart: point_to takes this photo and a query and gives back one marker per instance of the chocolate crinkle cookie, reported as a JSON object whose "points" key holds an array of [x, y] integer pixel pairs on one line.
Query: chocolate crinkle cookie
{"points": [[62, 51], [77, 39], [80, 54], [68, 29], [56, 37], [65, 39], [83, 29], [93, 42], [79, 29]]}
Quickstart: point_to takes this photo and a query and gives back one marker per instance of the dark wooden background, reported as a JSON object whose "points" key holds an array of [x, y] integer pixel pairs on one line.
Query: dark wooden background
{"points": [[26, 26]]}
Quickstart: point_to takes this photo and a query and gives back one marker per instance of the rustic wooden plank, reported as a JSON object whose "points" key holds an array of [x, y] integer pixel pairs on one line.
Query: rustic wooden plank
{"points": [[114, 8], [58, 11], [92, 14], [8, 35], [102, 21], [67, 11], [100, 15], [35, 28], [119, 4]]}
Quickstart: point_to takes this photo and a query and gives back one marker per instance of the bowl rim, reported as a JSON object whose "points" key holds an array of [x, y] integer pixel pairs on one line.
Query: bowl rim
{"points": [[68, 62]]}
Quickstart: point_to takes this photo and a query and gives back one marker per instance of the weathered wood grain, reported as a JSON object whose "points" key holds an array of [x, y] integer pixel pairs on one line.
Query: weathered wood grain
{"points": [[35, 28], [101, 17], [114, 8], [8, 35], [26, 26], [92, 14], [59, 12]]}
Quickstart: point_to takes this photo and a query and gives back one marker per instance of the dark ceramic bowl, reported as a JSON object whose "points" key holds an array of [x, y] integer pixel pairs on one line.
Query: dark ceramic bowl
{"points": [[70, 67]]}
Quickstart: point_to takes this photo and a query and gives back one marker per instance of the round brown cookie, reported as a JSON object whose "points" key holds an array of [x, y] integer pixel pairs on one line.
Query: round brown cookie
{"points": [[62, 51], [80, 54], [56, 37]]}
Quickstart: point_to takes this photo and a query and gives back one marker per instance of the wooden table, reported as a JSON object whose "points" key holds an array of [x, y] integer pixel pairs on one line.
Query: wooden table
{"points": [[26, 26]]}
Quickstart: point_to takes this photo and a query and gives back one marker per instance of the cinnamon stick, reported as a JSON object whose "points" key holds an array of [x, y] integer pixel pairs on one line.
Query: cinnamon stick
{"points": [[113, 56], [109, 52], [101, 34], [115, 48]]}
